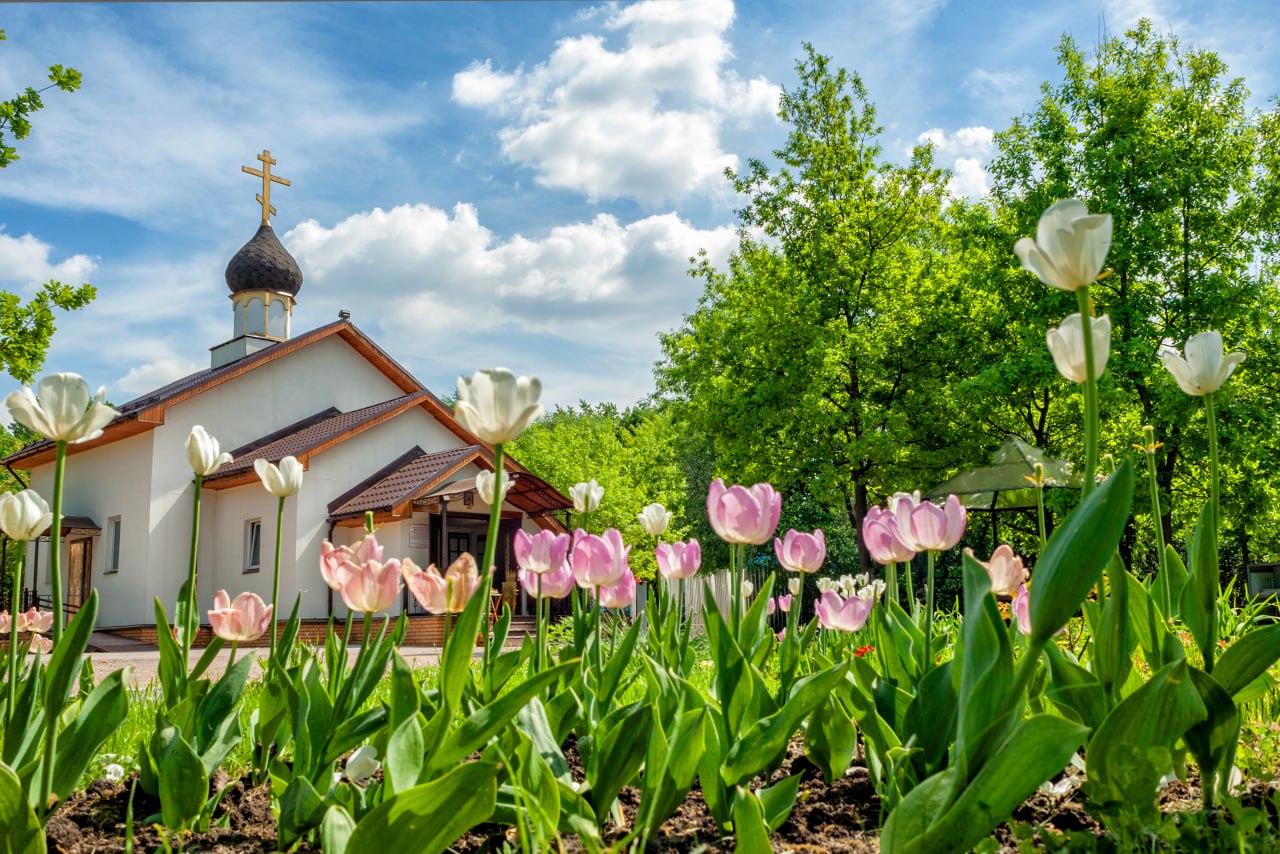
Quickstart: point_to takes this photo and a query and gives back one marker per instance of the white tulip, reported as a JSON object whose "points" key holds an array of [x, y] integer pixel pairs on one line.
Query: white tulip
{"points": [[1070, 247], [484, 486], [24, 515], [655, 518], [62, 409], [113, 773], [282, 480], [203, 452], [496, 406], [586, 496], [1205, 368], [362, 764], [1066, 343], [795, 585], [747, 589]]}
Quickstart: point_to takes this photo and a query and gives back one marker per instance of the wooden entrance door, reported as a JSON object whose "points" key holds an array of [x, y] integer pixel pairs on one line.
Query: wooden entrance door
{"points": [[79, 561]]}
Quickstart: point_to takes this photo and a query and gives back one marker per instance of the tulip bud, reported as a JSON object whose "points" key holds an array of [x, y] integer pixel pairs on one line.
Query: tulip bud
{"points": [[484, 486], [795, 585], [1066, 344], [496, 406], [24, 515], [586, 496], [362, 764], [655, 518], [1204, 368], [203, 452], [1070, 248], [282, 480]]}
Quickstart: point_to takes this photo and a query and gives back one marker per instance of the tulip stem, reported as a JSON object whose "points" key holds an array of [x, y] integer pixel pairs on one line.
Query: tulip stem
{"points": [[1090, 393], [1044, 538], [188, 629], [891, 581], [599, 615], [341, 673], [232, 659], [275, 583], [55, 539], [911, 590], [538, 660], [491, 542], [1166, 602], [1214, 492], [18, 580], [928, 622]]}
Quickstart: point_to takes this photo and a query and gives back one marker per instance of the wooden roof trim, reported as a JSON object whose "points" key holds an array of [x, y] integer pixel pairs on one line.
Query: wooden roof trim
{"points": [[123, 429]]}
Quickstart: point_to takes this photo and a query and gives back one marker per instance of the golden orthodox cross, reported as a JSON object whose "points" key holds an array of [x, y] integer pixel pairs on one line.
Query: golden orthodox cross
{"points": [[264, 198]]}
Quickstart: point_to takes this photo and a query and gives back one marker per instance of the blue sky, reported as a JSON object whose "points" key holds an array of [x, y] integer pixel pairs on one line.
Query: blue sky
{"points": [[515, 184]]}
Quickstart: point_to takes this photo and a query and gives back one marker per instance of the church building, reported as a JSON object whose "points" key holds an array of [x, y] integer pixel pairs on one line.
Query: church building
{"points": [[370, 436]]}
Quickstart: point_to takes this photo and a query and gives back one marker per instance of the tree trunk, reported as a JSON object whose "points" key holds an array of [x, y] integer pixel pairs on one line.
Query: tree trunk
{"points": [[857, 511]]}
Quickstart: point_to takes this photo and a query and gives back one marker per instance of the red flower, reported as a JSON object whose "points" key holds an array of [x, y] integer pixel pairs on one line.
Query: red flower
{"points": [[863, 650]]}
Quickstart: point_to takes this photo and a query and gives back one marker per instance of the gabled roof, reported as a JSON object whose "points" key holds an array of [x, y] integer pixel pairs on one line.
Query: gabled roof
{"points": [[398, 483], [391, 492], [307, 438], [148, 411]]}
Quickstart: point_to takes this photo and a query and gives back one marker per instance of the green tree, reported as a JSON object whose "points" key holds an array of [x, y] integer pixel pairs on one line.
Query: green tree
{"points": [[822, 359], [631, 453], [1163, 139], [26, 327]]}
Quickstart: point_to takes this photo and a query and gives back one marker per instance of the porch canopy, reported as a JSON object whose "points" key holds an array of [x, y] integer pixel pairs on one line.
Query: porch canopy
{"points": [[1006, 484]]}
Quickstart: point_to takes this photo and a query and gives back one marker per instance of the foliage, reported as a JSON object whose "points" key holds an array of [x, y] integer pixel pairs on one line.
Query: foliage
{"points": [[631, 453]]}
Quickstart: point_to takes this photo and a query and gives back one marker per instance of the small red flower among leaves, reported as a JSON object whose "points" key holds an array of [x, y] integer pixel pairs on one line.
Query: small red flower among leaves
{"points": [[863, 650]]}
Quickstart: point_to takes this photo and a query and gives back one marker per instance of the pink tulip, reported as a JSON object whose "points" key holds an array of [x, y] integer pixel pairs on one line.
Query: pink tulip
{"points": [[599, 561], [35, 621], [1022, 609], [556, 584], [677, 561], [782, 635], [784, 603], [367, 549], [448, 593], [771, 607], [1006, 571], [880, 536], [925, 526], [620, 595], [41, 644], [843, 615], [370, 586], [332, 560], [743, 515], [542, 552], [6, 622], [244, 619], [801, 552]]}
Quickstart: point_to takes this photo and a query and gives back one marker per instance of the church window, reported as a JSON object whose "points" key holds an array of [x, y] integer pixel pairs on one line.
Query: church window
{"points": [[276, 319], [256, 317], [113, 544], [253, 545]]}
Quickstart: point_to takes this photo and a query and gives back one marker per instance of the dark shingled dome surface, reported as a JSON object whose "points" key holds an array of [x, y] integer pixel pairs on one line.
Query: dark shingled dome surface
{"points": [[263, 264]]}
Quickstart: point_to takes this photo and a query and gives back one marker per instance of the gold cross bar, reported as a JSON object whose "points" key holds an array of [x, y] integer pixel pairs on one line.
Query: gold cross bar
{"points": [[264, 198]]}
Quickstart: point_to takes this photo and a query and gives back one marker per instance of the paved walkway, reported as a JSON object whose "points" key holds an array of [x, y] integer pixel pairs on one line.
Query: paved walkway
{"points": [[146, 663]]}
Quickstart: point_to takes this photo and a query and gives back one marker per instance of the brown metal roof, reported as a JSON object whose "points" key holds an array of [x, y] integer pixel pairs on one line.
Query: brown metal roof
{"points": [[529, 492], [310, 436], [403, 480]]}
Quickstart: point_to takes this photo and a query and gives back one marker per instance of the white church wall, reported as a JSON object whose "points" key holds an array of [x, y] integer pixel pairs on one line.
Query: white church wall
{"points": [[103, 483], [225, 568]]}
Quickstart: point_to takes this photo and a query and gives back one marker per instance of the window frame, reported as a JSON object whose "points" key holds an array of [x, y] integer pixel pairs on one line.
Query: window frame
{"points": [[250, 525], [113, 546]]}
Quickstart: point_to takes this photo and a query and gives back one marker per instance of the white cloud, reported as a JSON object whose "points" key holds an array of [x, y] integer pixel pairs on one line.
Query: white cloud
{"points": [[154, 374], [580, 306], [905, 15], [25, 264], [643, 121], [167, 115], [965, 150]]}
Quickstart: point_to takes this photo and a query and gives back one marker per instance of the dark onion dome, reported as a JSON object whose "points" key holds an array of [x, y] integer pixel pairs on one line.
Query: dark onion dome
{"points": [[263, 264]]}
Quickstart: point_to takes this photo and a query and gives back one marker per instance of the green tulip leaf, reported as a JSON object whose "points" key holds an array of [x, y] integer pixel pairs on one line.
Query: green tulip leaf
{"points": [[428, 818]]}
